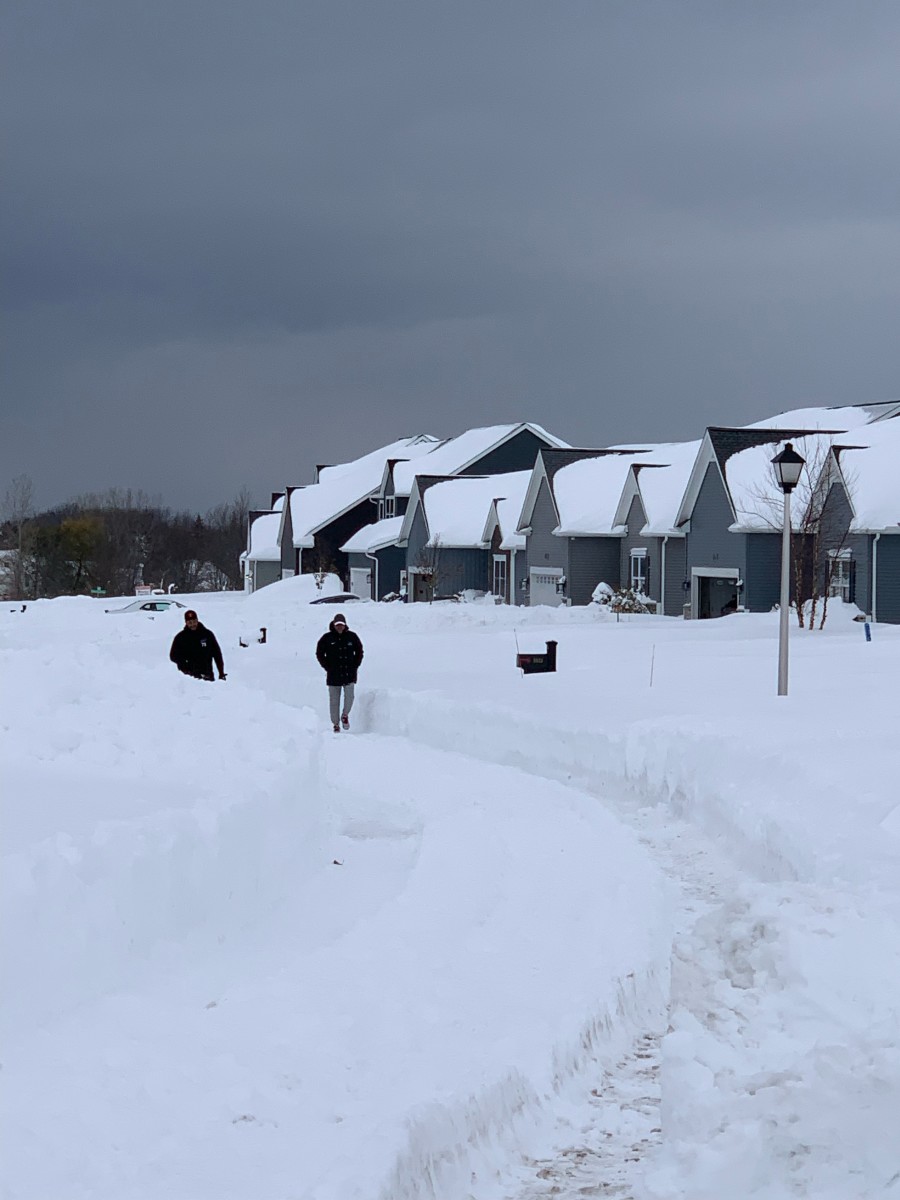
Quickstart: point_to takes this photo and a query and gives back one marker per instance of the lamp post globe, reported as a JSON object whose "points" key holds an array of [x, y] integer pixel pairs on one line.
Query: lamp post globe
{"points": [[788, 469]]}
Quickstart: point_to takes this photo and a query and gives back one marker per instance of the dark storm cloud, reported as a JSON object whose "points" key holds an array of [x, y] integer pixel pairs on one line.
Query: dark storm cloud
{"points": [[246, 238]]}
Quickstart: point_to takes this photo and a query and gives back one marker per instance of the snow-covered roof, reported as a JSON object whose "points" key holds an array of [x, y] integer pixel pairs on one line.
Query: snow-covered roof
{"points": [[457, 509], [342, 487], [264, 538], [454, 455], [587, 493], [511, 496], [374, 537], [843, 418], [872, 476], [754, 491], [663, 484]]}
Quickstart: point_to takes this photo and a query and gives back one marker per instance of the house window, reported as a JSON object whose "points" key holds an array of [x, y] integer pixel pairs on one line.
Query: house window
{"points": [[841, 584], [640, 571], [498, 584], [389, 506]]}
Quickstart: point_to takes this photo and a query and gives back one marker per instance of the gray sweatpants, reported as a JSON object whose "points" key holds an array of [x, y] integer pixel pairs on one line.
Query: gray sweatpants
{"points": [[334, 701]]}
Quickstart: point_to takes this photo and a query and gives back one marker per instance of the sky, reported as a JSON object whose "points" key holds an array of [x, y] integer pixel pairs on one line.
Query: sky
{"points": [[245, 239]]}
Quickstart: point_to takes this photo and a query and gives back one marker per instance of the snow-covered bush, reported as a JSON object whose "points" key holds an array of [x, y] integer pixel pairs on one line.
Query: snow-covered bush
{"points": [[627, 600], [602, 594]]}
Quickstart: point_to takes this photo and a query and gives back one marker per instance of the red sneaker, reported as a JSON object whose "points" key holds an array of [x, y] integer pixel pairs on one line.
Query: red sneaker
{"points": [[345, 721]]}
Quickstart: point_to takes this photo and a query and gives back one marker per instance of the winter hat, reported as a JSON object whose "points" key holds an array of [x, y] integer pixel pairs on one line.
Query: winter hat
{"points": [[339, 619]]}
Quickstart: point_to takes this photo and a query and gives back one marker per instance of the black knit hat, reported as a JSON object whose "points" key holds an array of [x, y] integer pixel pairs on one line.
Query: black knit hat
{"points": [[339, 619]]}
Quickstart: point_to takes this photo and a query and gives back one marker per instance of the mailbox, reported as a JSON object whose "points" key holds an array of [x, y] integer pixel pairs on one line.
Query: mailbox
{"points": [[533, 664]]}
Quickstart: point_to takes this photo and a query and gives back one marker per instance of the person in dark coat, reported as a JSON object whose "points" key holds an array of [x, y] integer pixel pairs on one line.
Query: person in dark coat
{"points": [[195, 649], [340, 653]]}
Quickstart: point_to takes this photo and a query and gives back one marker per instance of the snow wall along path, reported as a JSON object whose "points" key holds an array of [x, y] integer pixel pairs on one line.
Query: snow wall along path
{"points": [[783, 995], [105, 879]]}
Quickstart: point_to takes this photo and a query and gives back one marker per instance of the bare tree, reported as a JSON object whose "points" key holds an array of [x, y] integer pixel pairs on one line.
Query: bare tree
{"points": [[17, 511], [818, 531]]}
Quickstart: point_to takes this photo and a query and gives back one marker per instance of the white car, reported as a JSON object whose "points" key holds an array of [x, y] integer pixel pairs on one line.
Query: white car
{"points": [[148, 606]]}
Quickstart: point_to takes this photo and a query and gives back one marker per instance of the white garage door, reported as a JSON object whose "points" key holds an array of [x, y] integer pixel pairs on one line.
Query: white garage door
{"points": [[361, 582], [542, 586]]}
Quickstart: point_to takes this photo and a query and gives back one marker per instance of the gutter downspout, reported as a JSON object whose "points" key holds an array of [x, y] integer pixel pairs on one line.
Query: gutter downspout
{"points": [[511, 582], [662, 576], [375, 595], [874, 604]]}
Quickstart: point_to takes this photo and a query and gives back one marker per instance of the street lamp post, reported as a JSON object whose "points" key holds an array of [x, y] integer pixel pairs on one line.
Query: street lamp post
{"points": [[788, 469]]}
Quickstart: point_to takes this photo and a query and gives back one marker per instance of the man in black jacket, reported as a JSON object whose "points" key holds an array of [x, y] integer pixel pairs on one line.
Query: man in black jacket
{"points": [[195, 649], [340, 652]]}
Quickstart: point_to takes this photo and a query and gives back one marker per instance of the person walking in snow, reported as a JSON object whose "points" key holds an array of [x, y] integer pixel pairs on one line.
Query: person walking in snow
{"points": [[340, 653], [195, 649]]}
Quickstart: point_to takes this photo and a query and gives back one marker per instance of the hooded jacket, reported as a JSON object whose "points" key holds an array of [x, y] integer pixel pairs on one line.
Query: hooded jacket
{"points": [[194, 651], [339, 654]]}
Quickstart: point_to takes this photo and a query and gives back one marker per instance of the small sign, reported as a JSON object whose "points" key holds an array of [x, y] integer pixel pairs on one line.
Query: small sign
{"points": [[143, 589]]}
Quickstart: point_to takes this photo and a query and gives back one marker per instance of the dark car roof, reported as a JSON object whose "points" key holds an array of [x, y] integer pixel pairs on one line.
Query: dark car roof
{"points": [[340, 598]]}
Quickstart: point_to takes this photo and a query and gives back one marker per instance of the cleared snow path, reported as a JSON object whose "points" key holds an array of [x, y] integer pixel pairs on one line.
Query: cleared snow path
{"points": [[779, 1072]]}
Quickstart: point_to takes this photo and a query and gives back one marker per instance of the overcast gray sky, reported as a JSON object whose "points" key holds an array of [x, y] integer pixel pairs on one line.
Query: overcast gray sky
{"points": [[242, 238]]}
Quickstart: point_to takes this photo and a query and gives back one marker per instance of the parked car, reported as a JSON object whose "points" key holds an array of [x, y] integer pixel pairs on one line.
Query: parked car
{"points": [[338, 598], [148, 606]]}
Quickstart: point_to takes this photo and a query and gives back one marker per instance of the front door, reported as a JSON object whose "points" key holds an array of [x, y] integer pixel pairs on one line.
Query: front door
{"points": [[498, 580], [717, 596]]}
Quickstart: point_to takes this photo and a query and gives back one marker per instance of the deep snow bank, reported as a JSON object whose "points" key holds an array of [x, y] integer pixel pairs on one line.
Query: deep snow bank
{"points": [[146, 816]]}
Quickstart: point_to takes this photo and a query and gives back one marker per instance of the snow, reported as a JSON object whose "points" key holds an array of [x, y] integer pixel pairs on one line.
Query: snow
{"points": [[587, 493], [871, 476], [264, 538], [662, 487], [374, 537], [457, 510], [601, 931], [454, 455], [509, 509], [835, 419], [342, 487]]}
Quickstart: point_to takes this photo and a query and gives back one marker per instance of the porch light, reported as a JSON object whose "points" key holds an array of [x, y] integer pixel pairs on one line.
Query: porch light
{"points": [[788, 468]]}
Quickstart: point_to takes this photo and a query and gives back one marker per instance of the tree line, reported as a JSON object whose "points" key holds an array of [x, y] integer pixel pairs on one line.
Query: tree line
{"points": [[113, 541]]}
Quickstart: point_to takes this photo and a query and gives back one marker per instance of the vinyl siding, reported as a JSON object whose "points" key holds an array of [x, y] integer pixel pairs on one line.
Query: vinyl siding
{"points": [[545, 550], [265, 573], [635, 522], [709, 544], [676, 573], [591, 561], [762, 580], [888, 598], [519, 574], [415, 545], [836, 517], [458, 569], [518, 454], [391, 561], [288, 553]]}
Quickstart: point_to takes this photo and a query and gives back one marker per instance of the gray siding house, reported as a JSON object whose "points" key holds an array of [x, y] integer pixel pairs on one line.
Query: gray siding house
{"points": [[459, 535], [492, 450], [859, 545], [729, 516], [572, 542]]}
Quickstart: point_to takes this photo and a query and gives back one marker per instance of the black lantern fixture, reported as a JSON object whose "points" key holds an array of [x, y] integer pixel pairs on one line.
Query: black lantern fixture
{"points": [[788, 468]]}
